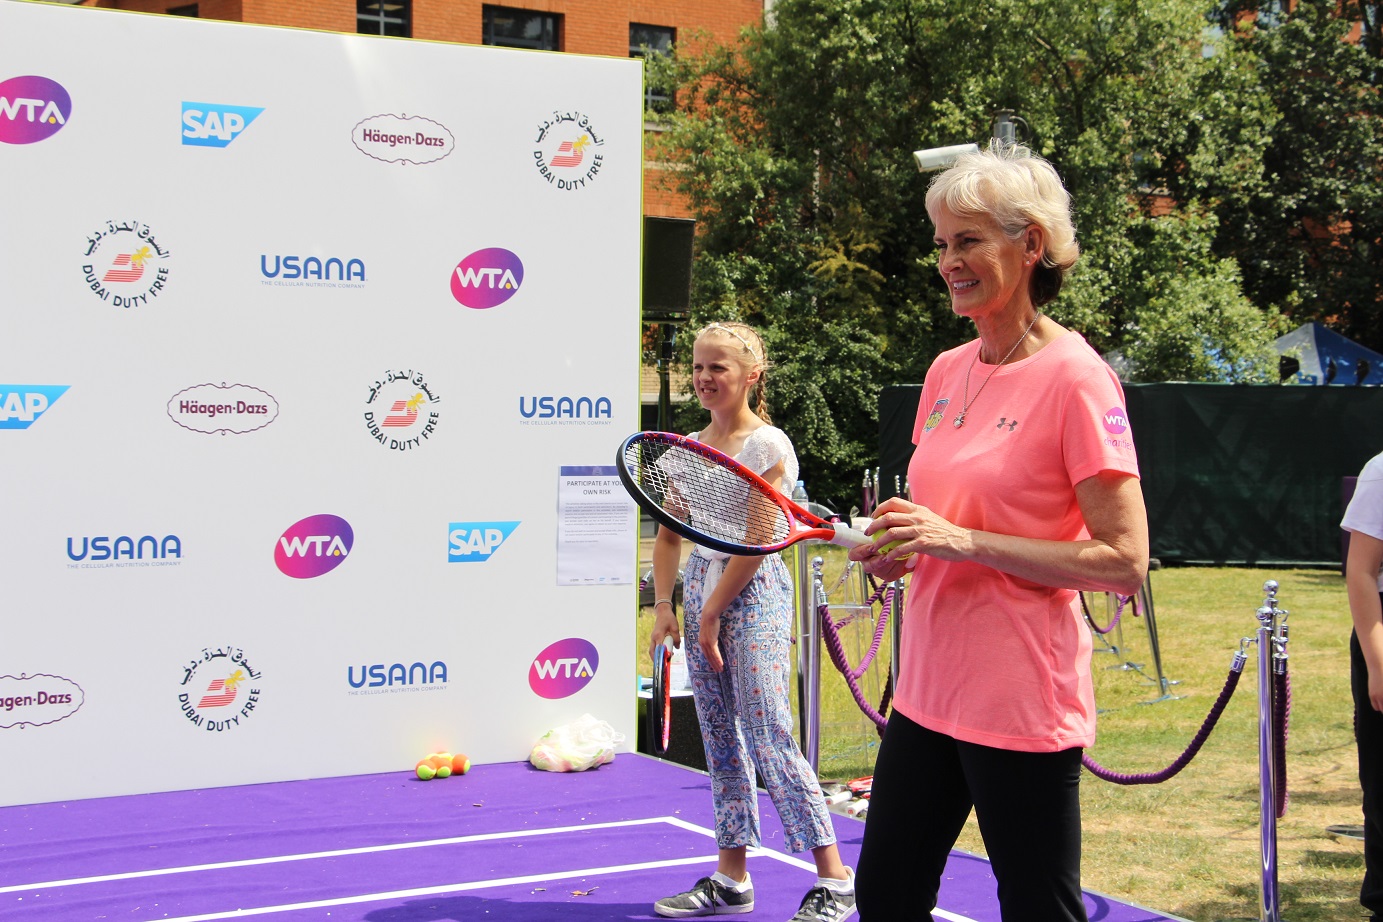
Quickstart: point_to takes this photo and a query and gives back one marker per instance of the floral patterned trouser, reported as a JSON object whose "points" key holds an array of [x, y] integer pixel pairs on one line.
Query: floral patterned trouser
{"points": [[746, 712]]}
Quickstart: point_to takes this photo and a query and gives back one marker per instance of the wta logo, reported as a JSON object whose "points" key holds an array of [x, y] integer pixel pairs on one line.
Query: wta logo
{"points": [[564, 668], [487, 278], [314, 546], [32, 109], [1115, 421]]}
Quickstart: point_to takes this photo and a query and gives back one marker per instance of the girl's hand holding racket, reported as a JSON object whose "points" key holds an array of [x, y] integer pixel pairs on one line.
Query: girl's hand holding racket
{"points": [[708, 497]]}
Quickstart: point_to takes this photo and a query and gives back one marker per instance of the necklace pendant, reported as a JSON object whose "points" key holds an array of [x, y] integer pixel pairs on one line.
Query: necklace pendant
{"points": [[960, 419]]}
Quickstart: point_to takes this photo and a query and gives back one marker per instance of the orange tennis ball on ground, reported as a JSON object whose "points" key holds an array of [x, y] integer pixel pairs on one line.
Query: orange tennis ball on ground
{"points": [[443, 756], [425, 771], [460, 764]]}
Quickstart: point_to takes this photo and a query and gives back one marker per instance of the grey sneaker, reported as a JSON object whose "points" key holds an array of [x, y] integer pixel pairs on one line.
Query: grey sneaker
{"points": [[824, 905], [708, 898]]}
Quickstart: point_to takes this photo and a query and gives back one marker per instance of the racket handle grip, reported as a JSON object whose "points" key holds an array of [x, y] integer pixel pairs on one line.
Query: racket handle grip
{"points": [[849, 537]]}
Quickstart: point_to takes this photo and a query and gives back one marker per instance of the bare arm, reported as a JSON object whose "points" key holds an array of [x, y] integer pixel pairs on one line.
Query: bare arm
{"points": [[1361, 583], [1113, 559]]}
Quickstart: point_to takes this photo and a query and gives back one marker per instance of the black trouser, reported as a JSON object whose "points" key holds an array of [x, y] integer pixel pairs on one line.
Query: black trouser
{"points": [[1027, 805], [1368, 733]]}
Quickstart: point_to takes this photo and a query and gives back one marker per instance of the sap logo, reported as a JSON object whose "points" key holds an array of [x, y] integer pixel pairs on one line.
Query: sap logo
{"points": [[126, 548], [564, 407], [294, 267], [210, 125], [564, 668], [398, 674], [21, 404], [1115, 421], [32, 109], [476, 541], [487, 278], [314, 546]]}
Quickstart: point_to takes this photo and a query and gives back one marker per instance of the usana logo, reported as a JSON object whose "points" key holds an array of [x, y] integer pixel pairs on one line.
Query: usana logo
{"points": [[564, 411], [104, 552], [382, 679], [311, 271]]}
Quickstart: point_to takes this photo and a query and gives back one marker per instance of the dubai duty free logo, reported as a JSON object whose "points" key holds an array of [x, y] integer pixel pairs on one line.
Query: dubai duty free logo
{"points": [[220, 690], [401, 412], [567, 151], [314, 546], [32, 109], [125, 265]]}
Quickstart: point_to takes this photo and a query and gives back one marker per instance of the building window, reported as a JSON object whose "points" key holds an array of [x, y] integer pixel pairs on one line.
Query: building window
{"points": [[383, 17], [189, 10], [645, 41], [508, 27]]}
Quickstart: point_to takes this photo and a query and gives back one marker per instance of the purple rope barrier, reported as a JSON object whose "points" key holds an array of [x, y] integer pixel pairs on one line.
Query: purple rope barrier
{"points": [[1184, 759], [1118, 613], [1282, 708], [831, 635]]}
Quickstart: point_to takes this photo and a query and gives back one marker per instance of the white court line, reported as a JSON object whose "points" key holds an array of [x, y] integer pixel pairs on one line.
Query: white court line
{"points": [[437, 890]]}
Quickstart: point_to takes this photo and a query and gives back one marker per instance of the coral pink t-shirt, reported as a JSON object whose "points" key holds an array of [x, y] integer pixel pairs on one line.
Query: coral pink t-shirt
{"points": [[987, 657]]}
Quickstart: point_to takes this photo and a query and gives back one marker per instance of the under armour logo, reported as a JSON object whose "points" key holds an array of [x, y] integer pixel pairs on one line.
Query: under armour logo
{"points": [[1003, 421]]}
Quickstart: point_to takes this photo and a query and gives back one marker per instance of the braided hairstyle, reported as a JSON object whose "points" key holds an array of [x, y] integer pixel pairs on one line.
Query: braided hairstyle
{"points": [[748, 347]]}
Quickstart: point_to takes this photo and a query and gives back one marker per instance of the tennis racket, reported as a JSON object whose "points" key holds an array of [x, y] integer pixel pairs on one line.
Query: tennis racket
{"points": [[708, 497], [659, 729]]}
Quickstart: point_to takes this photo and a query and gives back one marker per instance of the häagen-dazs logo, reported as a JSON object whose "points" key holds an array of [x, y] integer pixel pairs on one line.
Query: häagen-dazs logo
{"points": [[401, 412], [487, 278], [125, 265], [402, 139], [564, 668], [568, 152], [22, 404], [220, 690], [37, 700], [314, 546], [32, 109], [223, 408]]}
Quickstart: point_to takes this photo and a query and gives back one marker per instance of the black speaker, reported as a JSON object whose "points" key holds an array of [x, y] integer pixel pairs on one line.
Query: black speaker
{"points": [[667, 264], [684, 745]]}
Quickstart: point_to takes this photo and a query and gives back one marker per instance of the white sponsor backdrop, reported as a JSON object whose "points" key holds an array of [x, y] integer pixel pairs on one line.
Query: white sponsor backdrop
{"points": [[134, 257]]}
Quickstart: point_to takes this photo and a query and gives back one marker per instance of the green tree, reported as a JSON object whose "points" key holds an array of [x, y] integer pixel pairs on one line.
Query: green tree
{"points": [[793, 148], [1310, 240]]}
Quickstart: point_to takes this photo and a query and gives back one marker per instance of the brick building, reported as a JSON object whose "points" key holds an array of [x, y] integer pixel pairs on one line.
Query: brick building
{"points": [[601, 27]]}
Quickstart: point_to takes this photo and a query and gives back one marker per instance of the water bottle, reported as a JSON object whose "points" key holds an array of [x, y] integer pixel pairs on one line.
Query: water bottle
{"points": [[799, 494]]}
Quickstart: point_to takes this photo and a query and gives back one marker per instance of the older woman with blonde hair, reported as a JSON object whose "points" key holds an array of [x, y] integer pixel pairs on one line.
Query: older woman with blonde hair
{"points": [[1024, 491]]}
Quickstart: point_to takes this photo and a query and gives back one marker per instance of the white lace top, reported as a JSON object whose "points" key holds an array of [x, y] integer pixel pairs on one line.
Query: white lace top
{"points": [[763, 449]]}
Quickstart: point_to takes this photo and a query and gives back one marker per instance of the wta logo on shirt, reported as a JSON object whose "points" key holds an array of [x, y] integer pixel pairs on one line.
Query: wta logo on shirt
{"points": [[1115, 422]]}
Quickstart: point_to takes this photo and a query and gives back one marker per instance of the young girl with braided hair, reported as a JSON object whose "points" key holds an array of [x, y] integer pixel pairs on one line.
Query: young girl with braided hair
{"points": [[737, 621]]}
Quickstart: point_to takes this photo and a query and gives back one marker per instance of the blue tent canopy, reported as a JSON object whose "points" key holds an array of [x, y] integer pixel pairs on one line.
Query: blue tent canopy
{"points": [[1326, 357]]}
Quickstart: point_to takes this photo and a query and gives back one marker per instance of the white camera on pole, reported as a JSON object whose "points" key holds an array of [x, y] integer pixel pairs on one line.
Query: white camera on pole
{"points": [[939, 158]]}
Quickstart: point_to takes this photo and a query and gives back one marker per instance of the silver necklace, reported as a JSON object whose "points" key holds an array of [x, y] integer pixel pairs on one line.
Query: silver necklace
{"points": [[966, 402]]}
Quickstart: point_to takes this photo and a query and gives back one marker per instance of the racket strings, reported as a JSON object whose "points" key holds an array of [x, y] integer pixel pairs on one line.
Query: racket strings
{"points": [[701, 493]]}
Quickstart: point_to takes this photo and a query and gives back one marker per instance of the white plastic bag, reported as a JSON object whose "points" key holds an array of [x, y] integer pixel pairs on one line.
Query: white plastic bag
{"points": [[574, 747]]}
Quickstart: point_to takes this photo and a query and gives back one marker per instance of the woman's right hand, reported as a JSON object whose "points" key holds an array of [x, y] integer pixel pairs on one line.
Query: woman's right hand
{"points": [[664, 625]]}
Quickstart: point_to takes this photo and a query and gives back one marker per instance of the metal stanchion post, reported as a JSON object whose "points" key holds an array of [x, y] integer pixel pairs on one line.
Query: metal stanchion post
{"points": [[809, 588], [1272, 659]]}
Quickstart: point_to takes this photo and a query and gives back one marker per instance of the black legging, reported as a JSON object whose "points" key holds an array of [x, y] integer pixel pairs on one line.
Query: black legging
{"points": [[1027, 805], [1368, 733]]}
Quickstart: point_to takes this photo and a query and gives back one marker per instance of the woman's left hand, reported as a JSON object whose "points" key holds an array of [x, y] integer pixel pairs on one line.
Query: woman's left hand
{"points": [[708, 638], [916, 529]]}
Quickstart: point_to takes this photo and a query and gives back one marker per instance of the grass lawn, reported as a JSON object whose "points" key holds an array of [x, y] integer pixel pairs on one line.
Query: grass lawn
{"points": [[1189, 846]]}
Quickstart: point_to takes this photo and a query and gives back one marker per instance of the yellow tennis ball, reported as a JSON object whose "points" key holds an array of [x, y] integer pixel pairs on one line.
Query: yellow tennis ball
{"points": [[444, 770], [425, 770], [885, 548], [460, 764]]}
